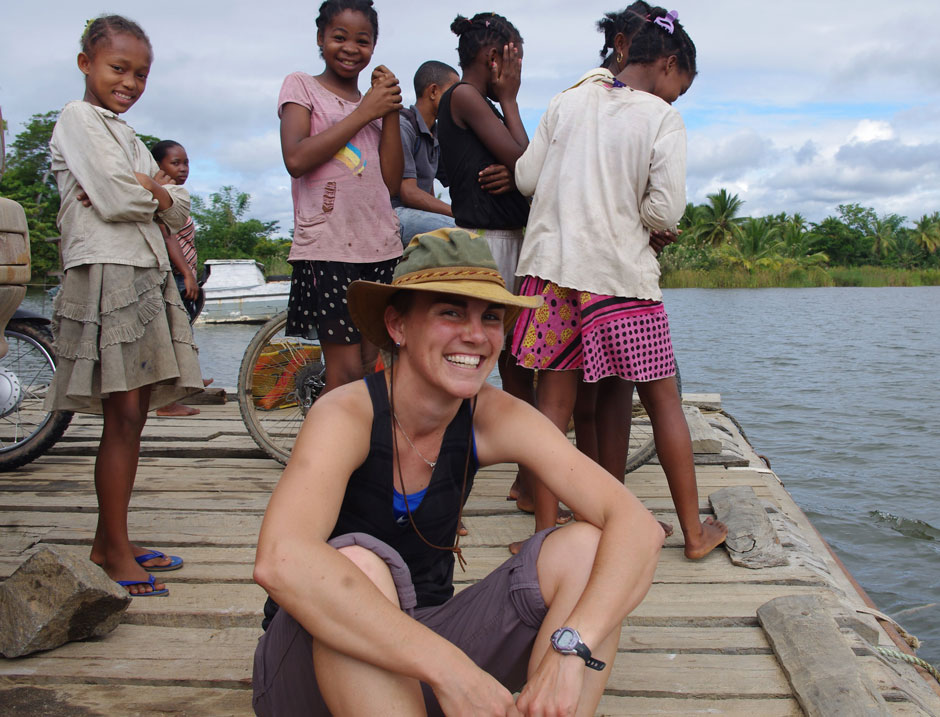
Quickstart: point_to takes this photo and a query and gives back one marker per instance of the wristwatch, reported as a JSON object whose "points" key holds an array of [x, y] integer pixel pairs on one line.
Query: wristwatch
{"points": [[567, 641]]}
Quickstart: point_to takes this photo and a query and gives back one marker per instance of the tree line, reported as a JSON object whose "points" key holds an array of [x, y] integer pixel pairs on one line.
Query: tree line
{"points": [[716, 237], [223, 229]]}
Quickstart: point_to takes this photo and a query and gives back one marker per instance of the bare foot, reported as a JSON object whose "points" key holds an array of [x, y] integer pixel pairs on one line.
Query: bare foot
{"points": [[132, 571], [97, 557], [514, 489], [667, 528], [462, 529], [207, 382], [515, 547], [713, 534], [177, 409]]}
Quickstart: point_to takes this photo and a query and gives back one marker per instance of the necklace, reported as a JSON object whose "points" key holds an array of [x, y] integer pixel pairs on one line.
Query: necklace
{"points": [[431, 464]]}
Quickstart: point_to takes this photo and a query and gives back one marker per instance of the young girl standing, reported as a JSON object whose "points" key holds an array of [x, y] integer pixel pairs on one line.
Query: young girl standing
{"points": [[123, 341], [173, 161], [343, 151], [473, 136], [587, 251]]}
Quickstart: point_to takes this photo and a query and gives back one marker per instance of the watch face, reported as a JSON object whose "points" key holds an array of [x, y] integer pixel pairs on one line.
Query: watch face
{"points": [[566, 639]]}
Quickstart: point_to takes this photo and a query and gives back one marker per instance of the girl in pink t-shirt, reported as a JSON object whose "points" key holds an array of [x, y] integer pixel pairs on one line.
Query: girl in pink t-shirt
{"points": [[343, 151]]}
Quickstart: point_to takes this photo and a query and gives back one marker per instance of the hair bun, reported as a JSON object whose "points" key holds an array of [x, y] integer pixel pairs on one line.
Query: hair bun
{"points": [[460, 25]]}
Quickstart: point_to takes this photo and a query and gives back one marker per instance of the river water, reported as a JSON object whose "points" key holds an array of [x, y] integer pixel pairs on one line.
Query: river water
{"points": [[839, 388]]}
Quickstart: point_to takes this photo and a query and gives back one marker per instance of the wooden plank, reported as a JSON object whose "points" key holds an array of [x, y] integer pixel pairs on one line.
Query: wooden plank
{"points": [[700, 676], [615, 706], [752, 541], [90, 699], [207, 606], [224, 655], [704, 437], [819, 664], [149, 527]]}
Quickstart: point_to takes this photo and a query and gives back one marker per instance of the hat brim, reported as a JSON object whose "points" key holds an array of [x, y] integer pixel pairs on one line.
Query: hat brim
{"points": [[368, 299]]}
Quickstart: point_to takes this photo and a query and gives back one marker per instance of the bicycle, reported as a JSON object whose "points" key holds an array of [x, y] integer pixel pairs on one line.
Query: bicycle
{"points": [[280, 377]]}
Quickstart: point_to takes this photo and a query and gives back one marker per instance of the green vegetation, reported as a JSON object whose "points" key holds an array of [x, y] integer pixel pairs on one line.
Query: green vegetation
{"points": [[719, 249], [222, 230]]}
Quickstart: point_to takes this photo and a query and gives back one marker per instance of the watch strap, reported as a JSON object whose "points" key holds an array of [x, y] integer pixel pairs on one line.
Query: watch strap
{"points": [[584, 653]]}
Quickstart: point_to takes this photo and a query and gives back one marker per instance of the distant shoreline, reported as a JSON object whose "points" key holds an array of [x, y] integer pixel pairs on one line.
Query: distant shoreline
{"points": [[739, 278]]}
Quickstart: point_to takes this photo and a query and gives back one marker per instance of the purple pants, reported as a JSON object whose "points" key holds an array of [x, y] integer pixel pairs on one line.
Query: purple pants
{"points": [[508, 602]]}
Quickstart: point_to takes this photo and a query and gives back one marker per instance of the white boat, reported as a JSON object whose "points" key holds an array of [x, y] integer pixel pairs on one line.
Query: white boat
{"points": [[236, 291]]}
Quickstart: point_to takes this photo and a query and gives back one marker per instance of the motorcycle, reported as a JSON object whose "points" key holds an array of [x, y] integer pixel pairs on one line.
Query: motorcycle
{"points": [[27, 429]]}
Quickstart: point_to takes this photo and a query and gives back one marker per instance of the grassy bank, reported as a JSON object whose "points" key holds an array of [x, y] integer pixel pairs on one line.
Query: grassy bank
{"points": [[740, 278]]}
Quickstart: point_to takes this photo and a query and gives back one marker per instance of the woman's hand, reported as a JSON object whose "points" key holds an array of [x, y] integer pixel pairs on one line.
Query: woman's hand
{"points": [[384, 96], [555, 688], [480, 694], [506, 77], [496, 179]]}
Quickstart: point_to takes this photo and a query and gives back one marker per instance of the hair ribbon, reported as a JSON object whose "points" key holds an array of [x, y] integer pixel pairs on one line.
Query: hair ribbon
{"points": [[666, 23]]}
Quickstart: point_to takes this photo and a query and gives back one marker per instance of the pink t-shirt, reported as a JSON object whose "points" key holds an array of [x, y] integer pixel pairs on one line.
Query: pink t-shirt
{"points": [[342, 210]]}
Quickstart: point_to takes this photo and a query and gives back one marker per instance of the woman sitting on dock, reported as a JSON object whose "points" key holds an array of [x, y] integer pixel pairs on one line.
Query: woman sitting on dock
{"points": [[356, 545]]}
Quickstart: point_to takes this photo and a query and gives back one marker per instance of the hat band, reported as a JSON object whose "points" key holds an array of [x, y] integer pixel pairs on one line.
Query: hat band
{"points": [[450, 274]]}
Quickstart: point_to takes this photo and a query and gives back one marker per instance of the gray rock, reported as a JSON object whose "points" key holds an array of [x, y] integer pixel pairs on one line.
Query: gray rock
{"points": [[54, 598]]}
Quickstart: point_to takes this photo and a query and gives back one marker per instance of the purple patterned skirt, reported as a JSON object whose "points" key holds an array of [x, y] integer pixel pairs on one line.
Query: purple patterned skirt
{"points": [[601, 335]]}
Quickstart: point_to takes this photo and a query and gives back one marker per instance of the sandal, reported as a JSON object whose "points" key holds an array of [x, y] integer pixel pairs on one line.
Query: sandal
{"points": [[151, 580], [176, 562]]}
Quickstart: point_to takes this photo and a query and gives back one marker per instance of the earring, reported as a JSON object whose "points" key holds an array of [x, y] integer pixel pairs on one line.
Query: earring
{"points": [[398, 344], [619, 58]]}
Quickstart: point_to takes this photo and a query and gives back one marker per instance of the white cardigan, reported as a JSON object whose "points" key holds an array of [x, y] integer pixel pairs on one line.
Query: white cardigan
{"points": [[94, 151], [606, 165]]}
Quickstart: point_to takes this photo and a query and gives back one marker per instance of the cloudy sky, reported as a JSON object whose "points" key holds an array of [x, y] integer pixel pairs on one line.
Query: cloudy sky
{"points": [[798, 106]]}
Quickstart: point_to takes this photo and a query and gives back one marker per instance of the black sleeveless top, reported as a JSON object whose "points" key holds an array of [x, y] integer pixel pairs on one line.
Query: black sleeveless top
{"points": [[367, 505], [464, 156]]}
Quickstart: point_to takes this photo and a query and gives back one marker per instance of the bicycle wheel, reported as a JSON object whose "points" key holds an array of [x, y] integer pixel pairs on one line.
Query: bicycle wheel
{"points": [[642, 447], [279, 379], [27, 429]]}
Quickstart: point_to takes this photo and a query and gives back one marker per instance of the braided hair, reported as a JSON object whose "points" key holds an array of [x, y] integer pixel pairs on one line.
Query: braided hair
{"points": [[485, 29], [331, 8], [652, 41], [98, 32], [626, 22]]}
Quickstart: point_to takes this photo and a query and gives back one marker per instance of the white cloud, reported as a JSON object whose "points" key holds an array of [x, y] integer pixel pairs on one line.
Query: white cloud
{"points": [[871, 130]]}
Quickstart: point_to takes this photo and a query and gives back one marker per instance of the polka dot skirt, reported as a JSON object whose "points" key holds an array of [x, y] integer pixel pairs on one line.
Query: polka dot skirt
{"points": [[601, 335], [317, 305]]}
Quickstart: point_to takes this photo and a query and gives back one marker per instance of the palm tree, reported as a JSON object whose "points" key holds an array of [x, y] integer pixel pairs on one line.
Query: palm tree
{"points": [[927, 232], [883, 236], [796, 243], [756, 246], [717, 222]]}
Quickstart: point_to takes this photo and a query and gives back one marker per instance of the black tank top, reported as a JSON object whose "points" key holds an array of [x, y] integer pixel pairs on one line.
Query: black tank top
{"points": [[464, 156], [367, 504]]}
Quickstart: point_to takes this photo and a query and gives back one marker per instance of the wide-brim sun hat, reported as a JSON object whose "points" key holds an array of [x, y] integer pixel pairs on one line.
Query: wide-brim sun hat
{"points": [[446, 261]]}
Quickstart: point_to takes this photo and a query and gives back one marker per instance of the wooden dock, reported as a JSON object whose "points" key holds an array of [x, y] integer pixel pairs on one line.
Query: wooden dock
{"points": [[694, 646]]}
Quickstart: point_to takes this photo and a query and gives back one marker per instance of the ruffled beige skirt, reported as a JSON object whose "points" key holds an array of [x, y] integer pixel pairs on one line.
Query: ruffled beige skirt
{"points": [[118, 328]]}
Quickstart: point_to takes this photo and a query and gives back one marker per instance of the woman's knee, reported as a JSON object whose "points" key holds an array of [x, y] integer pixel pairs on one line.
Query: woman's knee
{"points": [[374, 568], [567, 557]]}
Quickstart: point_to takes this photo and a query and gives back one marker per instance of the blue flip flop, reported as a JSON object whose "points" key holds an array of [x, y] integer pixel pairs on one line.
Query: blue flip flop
{"points": [[150, 581], [176, 562]]}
